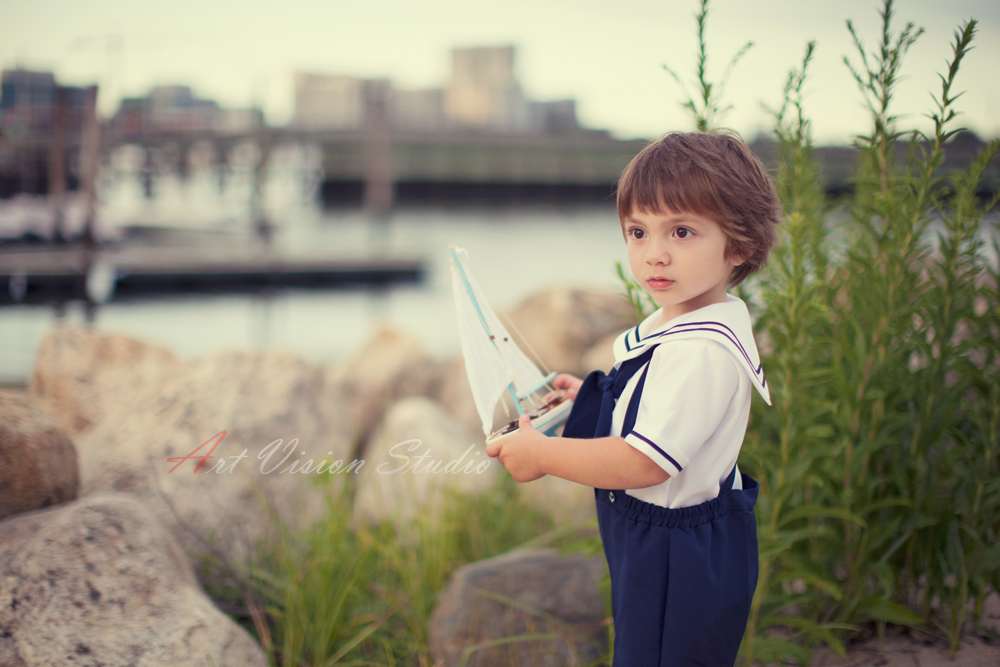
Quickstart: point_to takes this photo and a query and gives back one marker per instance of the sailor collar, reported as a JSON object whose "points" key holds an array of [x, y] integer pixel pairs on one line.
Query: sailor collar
{"points": [[726, 323]]}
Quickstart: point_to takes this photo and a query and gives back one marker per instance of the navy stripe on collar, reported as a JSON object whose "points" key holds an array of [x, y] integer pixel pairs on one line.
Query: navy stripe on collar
{"points": [[708, 326], [638, 340]]}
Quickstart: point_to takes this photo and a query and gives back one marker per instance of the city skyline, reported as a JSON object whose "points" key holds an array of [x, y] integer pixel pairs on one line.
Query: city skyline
{"points": [[609, 60]]}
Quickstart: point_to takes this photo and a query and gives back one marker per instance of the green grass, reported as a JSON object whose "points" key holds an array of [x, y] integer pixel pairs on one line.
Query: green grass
{"points": [[341, 595]]}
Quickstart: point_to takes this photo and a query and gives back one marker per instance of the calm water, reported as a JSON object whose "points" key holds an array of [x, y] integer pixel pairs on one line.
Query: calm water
{"points": [[514, 254]]}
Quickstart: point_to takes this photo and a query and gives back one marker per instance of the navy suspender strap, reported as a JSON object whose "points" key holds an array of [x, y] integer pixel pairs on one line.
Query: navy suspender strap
{"points": [[593, 409], [633, 405], [594, 406]]}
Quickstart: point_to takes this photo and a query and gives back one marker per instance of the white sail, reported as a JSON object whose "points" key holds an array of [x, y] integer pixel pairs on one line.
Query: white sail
{"points": [[492, 359]]}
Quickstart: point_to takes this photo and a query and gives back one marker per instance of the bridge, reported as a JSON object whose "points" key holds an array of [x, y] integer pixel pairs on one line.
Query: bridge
{"points": [[380, 168]]}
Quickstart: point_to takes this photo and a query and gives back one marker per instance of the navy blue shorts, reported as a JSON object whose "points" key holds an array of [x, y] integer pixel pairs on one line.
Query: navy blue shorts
{"points": [[682, 580]]}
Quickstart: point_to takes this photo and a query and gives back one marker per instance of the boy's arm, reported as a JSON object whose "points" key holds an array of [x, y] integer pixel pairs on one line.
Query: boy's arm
{"points": [[604, 463]]}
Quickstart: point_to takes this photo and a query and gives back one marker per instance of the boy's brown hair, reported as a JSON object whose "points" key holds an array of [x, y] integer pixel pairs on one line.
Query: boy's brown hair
{"points": [[712, 174]]}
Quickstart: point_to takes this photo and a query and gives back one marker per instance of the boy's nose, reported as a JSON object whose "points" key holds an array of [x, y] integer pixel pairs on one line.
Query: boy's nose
{"points": [[658, 254]]}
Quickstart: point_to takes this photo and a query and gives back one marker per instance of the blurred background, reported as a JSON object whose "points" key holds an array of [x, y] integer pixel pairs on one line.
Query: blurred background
{"points": [[228, 175]]}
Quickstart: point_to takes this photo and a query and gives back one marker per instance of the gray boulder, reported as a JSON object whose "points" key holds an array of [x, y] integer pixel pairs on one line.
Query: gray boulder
{"points": [[270, 417], [391, 366], [600, 356], [522, 593], [100, 582], [418, 453], [38, 465], [560, 325], [455, 395], [81, 374], [133, 406]]}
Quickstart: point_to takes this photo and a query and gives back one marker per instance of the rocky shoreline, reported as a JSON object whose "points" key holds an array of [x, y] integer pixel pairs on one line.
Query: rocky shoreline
{"points": [[108, 497], [102, 515]]}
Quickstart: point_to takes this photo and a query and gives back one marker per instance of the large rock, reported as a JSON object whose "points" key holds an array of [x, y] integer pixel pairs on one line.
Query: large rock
{"points": [[263, 402], [38, 465], [418, 453], [455, 396], [81, 374], [266, 402], [560, 325], [100, 582], [601, 355], [391, 366], [534, 592]]}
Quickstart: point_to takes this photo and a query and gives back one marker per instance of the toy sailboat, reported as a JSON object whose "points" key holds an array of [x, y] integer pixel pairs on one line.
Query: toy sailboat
{"points": [[496, 364]]}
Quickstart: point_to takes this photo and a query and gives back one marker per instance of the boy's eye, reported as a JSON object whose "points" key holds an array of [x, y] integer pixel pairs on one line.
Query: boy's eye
{"points": [[682, 232], [636, 233]]}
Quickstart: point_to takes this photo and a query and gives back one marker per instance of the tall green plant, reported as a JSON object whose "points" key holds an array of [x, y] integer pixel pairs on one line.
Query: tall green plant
{"points": [[877, 287], [706, 105], [879, 461], [899, 353], [901, 427], [791, 440]]}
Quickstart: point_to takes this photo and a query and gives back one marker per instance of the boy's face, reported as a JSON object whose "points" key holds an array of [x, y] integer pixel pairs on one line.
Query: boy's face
{"points": [[679, 258]]}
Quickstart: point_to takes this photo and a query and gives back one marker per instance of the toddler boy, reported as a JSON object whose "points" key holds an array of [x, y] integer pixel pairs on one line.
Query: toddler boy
{"points": [[659, 436]]}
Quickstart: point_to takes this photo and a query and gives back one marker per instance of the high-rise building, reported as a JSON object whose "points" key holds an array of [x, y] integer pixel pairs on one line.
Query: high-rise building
{"points": [[482, 93], [483, 90]]}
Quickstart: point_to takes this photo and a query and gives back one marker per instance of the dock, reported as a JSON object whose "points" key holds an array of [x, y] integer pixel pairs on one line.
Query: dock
{"points": [[44, 274]]}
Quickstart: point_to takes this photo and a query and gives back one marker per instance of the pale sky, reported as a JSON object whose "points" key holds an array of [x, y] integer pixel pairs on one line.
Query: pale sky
{"points": [[607, 55]]}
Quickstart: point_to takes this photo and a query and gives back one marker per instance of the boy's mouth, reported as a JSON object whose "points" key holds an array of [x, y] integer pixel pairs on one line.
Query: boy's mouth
{"points": [[659, 283]]}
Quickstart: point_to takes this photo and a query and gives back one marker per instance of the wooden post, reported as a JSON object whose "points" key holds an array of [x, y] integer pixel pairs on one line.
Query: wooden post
{"points": [[89, 162], [148, 169], [262, 226], [57, 162], [378, 148]]}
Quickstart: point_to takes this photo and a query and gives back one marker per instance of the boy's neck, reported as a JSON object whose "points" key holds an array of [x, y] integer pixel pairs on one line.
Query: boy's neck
{"points": [[672, 311]]}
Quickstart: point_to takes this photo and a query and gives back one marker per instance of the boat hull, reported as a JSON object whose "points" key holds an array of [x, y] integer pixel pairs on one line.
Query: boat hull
{"points": [[546, 420]]}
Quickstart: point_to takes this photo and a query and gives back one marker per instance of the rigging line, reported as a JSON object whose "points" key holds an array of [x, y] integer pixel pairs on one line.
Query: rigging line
{"points": [[538, 359]]}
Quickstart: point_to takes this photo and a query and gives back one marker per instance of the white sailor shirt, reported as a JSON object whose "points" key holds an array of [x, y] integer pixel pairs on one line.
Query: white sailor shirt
{"points": [[695, 401]]}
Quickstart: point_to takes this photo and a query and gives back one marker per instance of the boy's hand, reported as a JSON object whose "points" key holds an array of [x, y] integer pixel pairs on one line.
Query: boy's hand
{"points": [[519, 452], [566, 385]]}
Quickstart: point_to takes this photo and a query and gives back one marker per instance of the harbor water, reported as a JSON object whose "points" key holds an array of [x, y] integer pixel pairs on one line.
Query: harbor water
{"points": [[515, 252]]}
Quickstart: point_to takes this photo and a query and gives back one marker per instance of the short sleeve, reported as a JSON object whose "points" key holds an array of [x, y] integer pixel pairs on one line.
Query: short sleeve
{"points": [[689, 385]]}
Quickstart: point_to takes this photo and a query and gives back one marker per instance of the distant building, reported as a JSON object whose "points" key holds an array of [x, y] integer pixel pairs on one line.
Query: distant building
{"points": [[27, 103], [482, 94], [329, 102], [177, 110], [482, 90], [344, 103]]}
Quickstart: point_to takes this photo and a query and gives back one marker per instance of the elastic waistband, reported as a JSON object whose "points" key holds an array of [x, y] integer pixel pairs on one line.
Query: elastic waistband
{"points": [[736, 500]]}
